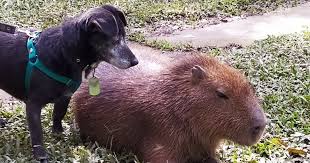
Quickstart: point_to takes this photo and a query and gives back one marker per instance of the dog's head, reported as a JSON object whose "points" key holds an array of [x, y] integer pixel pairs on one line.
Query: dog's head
{"points": [[104, 28]]}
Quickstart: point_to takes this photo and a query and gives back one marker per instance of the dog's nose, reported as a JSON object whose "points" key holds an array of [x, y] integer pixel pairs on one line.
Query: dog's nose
{"points": [[134, 62]]}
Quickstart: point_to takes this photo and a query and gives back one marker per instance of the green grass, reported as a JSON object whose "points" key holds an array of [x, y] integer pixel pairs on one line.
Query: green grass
{"points": [[45, 13], [277, 66], [159, 44], [15, 140], [141, 14]]}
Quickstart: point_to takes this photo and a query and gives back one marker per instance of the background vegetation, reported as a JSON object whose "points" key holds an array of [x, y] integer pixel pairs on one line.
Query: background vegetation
{"points": [[278, 67]]}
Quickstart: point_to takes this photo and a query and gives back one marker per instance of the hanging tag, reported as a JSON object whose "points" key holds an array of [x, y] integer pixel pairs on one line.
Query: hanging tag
{"points": [[94, 85]]}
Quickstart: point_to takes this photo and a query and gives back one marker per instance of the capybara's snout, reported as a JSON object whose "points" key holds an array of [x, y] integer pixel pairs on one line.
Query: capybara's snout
{"points": [[258, 125]]}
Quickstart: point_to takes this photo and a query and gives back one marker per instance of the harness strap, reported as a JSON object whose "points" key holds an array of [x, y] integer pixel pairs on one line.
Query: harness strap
{"points": [[35, 62]]}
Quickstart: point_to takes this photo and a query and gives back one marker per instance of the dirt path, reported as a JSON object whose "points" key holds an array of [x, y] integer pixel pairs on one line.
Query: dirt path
{"points": [[245, 31], [4, 95]]}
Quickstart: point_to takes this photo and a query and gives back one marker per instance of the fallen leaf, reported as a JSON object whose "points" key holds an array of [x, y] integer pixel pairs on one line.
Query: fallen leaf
{"points": [[278, 141], [294, 151]]}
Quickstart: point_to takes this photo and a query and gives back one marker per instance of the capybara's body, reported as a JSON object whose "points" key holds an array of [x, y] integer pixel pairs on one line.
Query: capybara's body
{"points": [[165, 110]]}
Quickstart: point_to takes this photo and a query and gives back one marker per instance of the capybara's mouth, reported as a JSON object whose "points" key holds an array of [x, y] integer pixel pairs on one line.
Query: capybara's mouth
{"points": [[248, 138], [246, 142], [251, 140], [257, 137]]}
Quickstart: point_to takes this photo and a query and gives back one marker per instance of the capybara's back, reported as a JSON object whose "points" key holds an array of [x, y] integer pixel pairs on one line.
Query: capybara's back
{"points": [[165, 110]]}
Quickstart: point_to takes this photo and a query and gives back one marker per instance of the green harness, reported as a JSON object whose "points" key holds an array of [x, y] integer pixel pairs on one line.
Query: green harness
{"points": [[35, 62]]}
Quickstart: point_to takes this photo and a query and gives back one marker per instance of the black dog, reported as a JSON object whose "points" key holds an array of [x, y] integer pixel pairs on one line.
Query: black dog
{"points": [[94, 36]]}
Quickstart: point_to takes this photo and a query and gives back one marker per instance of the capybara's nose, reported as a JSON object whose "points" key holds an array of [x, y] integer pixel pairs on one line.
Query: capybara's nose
{"points": [[259, 126], [134, 62]]}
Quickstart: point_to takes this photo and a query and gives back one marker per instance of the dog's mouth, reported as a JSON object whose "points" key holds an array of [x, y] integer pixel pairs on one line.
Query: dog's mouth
{"points": [[118, 54], [120, 63], [121, 56], [100, 58]]}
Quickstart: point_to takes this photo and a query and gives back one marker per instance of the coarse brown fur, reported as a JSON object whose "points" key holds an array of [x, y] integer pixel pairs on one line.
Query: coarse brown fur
{"points": [[176, 111]]}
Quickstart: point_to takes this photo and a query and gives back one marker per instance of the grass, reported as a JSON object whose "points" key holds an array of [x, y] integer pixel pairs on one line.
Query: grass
{"points": [[45, 13], [15, 140], [277, 66], [145, 16], [159, 44]]}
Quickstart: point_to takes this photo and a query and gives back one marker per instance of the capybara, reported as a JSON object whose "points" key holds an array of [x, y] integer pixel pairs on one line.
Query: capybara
{"points": [[170, 111]]}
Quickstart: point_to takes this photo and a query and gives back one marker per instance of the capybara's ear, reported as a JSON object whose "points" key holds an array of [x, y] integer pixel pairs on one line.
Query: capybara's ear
{"points": [[227, 62], [198, 74], [116, 12]]}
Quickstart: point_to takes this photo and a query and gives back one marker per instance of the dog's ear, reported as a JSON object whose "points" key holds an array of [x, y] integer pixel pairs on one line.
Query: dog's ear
{"points": [[116, 12], [101, 25], [93, 26]]}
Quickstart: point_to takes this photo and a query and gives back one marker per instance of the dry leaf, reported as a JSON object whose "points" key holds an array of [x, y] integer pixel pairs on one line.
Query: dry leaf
{"points": [[278, 141], [294, 151]]}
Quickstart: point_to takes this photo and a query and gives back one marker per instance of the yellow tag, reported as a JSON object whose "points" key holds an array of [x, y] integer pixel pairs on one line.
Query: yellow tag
{"points": [[94, 86]]}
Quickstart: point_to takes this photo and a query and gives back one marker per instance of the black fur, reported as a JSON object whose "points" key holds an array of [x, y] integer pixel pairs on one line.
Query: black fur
{"points": [[94, 36]]}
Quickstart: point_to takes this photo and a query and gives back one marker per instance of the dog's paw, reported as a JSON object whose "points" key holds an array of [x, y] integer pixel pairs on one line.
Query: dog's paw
{"points": [[57, 129], [2, 123], [40, 154], [44, 161]]}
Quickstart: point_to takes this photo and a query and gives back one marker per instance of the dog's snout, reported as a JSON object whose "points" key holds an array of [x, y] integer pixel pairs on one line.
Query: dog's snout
{"points": [[134, 62], [122, 57]]}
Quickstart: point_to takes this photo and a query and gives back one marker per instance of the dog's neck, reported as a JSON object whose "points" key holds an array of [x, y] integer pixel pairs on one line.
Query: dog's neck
{"points": [[67, 58]]}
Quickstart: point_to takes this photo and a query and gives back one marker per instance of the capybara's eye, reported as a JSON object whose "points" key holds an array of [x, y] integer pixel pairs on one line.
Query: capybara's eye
{"points": [[252, 87], [221, 95]]}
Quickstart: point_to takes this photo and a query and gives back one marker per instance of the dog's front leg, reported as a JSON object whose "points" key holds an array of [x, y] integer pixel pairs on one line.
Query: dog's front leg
{"points": [[2, 123], [60, 110], [33, 113]]}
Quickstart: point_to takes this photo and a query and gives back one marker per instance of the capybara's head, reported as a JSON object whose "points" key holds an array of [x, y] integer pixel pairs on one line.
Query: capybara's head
{"points": [[224, 104]]}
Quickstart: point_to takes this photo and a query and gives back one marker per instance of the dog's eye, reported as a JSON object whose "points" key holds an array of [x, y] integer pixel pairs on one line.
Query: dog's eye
{"points": [[114, 42], [221, 95]]}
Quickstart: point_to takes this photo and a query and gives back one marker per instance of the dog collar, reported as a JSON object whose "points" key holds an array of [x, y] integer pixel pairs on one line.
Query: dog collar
{"points": [[35, 62]]}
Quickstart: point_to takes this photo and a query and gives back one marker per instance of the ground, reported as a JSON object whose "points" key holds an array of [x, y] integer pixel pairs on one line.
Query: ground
{"points": [[277, 66]]}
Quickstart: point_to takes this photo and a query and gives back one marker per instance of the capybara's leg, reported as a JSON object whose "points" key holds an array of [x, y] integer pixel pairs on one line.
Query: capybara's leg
{"points": [[2, 123], [208, 160], [84, 138], [33, 113], [156, 153], [161, 160], [59, 112], [211, 160]]}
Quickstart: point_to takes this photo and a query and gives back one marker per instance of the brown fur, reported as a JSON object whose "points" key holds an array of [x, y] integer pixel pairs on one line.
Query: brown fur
{"points": [[163, 112]]}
